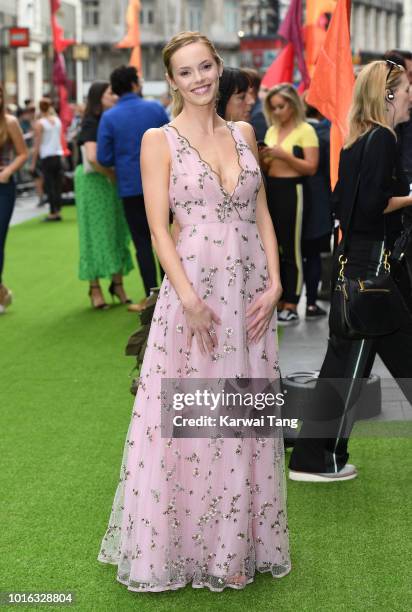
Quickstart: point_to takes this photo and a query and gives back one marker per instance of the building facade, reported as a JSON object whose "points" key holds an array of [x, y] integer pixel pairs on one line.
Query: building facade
{"points": [[34, 63], [376, 26], [8, 57], [233, 25], [104, 26]]}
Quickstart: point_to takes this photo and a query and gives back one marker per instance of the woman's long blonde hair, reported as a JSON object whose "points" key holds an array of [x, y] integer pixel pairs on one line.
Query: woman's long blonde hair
{"points": [[177, 42], [289, 93], [369, 98]]}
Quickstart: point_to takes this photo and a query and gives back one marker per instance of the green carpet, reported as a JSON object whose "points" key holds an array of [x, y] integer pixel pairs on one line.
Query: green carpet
{"points": [[65, 409]]}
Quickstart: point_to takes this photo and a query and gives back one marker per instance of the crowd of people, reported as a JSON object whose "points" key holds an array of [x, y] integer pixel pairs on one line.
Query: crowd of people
{"points": [[104, 143], [230, 185]]}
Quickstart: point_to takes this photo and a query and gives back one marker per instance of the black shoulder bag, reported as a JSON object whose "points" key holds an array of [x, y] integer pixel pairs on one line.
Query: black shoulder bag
{"points": [[368, 307]]}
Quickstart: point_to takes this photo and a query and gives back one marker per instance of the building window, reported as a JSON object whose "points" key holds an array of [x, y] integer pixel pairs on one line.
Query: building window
{"points": [[91, 13], [231, 16], [194, 15], [147, 13]]}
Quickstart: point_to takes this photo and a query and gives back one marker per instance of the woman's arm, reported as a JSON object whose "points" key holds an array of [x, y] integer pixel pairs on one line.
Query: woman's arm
{"points": [[20, 148], [264, 305], [175, 231], [155, 169], [91, 154], [398, 202], [38, 129]]}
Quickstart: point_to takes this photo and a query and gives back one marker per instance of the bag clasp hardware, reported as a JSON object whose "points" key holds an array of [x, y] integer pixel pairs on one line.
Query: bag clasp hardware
{"points": [[386, 263], [342, 260]]}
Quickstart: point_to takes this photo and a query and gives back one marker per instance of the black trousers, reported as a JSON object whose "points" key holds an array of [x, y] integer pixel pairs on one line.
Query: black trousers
{"points": [[312, 265], [322, 445], [139, 229], [52, 171], [285, 203], [7, 200]]}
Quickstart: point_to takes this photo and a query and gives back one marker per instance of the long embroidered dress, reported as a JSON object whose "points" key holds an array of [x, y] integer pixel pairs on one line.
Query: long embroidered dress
{"points": [[203, 510]]}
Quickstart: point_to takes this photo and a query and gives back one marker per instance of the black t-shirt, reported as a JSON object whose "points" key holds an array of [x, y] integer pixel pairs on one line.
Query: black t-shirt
{"points": [[88, 132], [381, 177]]}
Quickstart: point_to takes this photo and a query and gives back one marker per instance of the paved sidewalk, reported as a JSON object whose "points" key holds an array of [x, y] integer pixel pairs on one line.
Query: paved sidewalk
{"points": [[303, 347], [26, 208]]}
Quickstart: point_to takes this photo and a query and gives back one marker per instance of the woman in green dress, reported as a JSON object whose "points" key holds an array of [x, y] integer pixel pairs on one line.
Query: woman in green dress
{"points": [[103, 232]]}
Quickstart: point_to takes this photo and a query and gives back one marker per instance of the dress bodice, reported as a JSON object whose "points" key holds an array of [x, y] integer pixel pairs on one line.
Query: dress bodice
{"points": [[195, 191]]}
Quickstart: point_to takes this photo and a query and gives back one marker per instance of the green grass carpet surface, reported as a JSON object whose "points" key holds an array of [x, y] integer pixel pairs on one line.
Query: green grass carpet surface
{"points": [[65, 410]]}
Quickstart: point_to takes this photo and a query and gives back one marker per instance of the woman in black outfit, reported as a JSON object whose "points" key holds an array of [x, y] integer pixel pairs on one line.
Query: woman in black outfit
{"points": [[381, 101]]}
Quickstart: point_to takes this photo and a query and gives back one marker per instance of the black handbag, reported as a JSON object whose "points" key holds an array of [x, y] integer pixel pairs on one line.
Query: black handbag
{"points": [[369, 307]]}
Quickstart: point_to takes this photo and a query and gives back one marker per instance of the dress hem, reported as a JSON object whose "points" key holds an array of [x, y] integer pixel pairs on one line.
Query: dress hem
{"points": [[182, 585]]}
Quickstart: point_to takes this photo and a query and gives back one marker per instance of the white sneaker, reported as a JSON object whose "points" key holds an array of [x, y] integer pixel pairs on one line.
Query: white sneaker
{"points": [[348, 472], [288, 317]]}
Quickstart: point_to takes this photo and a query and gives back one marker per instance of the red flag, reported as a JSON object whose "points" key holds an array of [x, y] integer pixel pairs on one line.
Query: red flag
{"points": [[59, 42], [332, 83], [291, 30], [281, 70], [59, 76]]}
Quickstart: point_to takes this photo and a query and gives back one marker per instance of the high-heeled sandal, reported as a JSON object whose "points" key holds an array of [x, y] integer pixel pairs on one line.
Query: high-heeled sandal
{"points": [[114, 293], [5, 298], [103, 305]]}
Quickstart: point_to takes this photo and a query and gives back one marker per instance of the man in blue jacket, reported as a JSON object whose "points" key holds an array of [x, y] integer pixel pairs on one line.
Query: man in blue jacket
{"points": [[119, 139]]}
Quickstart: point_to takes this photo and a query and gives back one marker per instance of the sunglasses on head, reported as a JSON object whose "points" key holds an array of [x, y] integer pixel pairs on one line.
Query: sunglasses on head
{"points": [[392, 65]]}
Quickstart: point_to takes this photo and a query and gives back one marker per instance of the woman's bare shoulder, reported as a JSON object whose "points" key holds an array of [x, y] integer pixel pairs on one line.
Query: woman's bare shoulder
{"points": [[248, 132], [11, 120], [155, 136], [155, 145]]}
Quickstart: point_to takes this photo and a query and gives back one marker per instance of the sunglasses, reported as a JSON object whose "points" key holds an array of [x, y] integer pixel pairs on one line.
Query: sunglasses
{"points": [[392, 65]]}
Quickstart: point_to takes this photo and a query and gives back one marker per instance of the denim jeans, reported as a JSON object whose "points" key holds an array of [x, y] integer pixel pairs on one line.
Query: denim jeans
{"points": [[7, 200]]}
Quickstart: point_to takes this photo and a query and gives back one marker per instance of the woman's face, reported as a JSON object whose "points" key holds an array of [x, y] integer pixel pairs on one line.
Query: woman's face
{"points": [[399, 107], [281, 110], [239, 106], [109, 99], [195, 74]]}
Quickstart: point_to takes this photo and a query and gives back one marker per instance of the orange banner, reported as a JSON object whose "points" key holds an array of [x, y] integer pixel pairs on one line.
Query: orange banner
{"points": [[318, 13], [333, 79], [132, 38]]}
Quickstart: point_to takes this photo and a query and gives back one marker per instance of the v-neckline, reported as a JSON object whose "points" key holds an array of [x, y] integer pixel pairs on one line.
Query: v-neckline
{"points": [[279, 144], [215, 174]]}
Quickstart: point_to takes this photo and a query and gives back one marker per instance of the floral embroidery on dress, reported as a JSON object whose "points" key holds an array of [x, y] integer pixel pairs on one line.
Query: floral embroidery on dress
{"points": [[202, 510]]}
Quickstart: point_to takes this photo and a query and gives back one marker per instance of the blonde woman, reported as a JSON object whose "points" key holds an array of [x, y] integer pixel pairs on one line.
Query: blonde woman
{"points": [[381, 101], [291, 153], [13, 155], [203, 510]]}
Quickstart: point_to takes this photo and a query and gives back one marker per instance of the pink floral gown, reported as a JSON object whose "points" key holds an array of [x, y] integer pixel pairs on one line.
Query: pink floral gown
{"points": [[209, 511]]}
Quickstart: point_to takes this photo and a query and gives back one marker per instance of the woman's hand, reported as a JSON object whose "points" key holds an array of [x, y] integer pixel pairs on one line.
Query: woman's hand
{"points": [[265, 158], [277, 152], [200, 319], [5, 175], [261, 312]]}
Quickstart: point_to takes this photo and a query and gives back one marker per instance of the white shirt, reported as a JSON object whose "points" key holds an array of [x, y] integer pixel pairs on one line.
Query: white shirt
{"points": [[51, 137]]}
